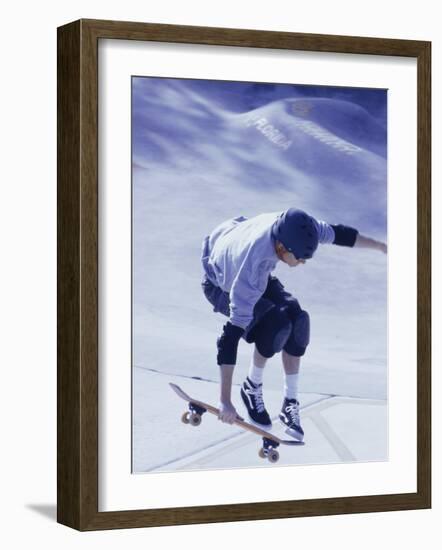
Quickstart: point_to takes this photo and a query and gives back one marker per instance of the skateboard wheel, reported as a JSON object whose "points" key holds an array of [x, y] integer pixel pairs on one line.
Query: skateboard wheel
{"points": [[262, 453], [273, 456], [195, 419], [185, 418]]}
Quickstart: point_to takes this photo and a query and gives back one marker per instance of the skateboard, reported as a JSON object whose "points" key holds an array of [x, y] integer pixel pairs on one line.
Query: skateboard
{"points": [[197, 408]]}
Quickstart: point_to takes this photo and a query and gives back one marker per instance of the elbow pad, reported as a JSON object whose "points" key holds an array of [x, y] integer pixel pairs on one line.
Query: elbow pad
{"points": [[344, 235], [227, 344]]}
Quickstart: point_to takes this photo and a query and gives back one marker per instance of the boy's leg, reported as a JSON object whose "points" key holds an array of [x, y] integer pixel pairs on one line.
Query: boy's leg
{"points": [[289, 414], [251, 390], [291, 364], [269, 334], [257, 364]]}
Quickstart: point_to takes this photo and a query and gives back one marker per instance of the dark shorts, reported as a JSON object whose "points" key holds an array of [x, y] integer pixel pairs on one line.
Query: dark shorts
{"points": [[275, 304]]}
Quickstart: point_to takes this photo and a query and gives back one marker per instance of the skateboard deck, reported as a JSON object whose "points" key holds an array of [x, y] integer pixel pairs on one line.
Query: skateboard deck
{"points": [[197, 408]]}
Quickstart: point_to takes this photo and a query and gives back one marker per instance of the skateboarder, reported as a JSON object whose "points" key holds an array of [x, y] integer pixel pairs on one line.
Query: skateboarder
{"points": [[238, 258]]}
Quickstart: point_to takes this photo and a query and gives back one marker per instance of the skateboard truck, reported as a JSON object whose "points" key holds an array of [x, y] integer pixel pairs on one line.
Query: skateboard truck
{"points": [[268, 450], [193, 415]]}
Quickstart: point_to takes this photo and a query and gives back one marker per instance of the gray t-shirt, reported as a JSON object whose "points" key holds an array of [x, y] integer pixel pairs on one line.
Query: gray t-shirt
{"points": [[239, 255]]}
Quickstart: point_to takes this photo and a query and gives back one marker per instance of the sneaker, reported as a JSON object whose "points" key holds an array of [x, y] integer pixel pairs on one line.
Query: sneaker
{"points": [[251, 394], [289, 416]]}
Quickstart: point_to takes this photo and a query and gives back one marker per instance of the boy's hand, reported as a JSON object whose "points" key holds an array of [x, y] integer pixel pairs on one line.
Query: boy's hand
{"points": [[367, 242], [383, 248], [227, 413]]}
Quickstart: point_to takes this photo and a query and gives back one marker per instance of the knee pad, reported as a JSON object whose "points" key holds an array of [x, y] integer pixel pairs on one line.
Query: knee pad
{"points": [[272, 332], [293, 308], [299, 339], [301, 329]]}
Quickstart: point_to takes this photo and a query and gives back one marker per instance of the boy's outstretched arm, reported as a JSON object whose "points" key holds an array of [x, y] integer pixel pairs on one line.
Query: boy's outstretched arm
{"points": [[367, 242], [345, 235]]}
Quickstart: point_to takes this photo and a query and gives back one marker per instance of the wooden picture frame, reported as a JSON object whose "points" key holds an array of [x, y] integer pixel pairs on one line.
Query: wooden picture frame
{"points": [[77, 225]]}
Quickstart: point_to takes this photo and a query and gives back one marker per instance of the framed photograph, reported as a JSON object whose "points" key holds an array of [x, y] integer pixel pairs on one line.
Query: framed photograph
{"points": [[244, 285]]}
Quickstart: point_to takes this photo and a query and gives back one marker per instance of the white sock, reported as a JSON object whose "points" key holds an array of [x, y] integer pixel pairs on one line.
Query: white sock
{"points": [[291, 386], [255, 373]]}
